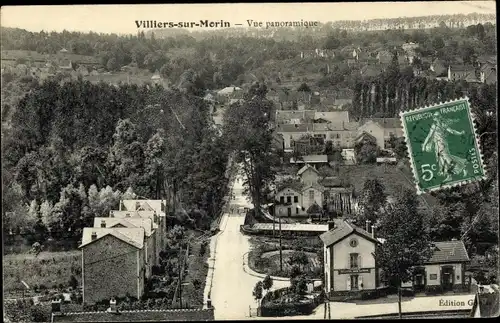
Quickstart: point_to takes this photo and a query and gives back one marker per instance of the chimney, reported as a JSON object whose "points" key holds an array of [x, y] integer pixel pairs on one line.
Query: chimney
{"points": [[374, 236], [331, 225], [103, 224], [94, 236], [112, 306], [368, 224], [56, 307]]}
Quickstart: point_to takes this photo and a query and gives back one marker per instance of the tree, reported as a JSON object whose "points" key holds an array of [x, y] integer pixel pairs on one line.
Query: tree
{"points": [[304, 88], [407, 242], [372, 201], [267, 283], [298, 258], [73, 282], [366, 152], [257, 291]]}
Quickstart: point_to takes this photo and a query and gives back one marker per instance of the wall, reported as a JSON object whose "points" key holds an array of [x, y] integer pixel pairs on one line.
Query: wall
{"points": [[346, 138], [140, 316], [341, 260], [436, 269], [318, 198], [101, 261], [289, 136], [284, 208], [375, 130]]}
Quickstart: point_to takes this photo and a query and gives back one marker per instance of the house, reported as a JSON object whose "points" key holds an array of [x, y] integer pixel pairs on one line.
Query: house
{"points": [[349, 261], [438, 67], [294, 117], [308, 175], [228, 90], [66, 64], [333, 116], [314, 160], [289, 197], [104, 251], [371, 70], [159, 224], [445, 269], [152, 256], [293, 132], [278, 141], [312, 194], [486, 302], [382, 129], [156, 78], [63, 50], [463, 72], [488, 73]]}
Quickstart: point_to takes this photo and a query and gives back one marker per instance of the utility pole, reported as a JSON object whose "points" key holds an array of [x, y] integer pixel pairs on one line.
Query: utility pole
{"points": [[281, 253]]}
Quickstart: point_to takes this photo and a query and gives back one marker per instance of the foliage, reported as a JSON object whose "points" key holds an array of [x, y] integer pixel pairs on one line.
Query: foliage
{"points": [[372, 201], [366, 152], [257, 291], [267, 283], [407, 243], [298, 258]]}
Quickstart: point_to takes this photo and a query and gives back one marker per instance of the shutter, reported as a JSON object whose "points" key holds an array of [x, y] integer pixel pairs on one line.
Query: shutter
{"points": [[359, 262], [360, 282], [348, 282]]}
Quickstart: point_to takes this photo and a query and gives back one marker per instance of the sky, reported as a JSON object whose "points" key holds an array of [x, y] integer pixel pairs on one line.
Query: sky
{"points": [[121, 19]]}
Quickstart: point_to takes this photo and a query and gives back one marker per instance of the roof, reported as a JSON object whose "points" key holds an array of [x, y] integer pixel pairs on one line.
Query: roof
{"points": [[365, 134], [333, 116], [292, 227], [145, 205], [294, 127], [156, 77], [341, 230], [228, 90], [449, 251], [306, 167], [310, 159], [285, 116], [138, 316], [314, 186], [132, 236], [131, 222], [387, 123], [135, 214], [289, 184]]}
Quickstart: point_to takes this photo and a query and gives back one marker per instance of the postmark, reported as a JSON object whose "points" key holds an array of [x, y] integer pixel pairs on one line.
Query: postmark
{"points": [[443, 145]]}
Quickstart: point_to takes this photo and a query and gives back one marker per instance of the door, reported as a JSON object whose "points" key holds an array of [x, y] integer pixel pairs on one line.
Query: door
{"points": [[419, 280], [289, 211], [354, 282], [447, 276]]}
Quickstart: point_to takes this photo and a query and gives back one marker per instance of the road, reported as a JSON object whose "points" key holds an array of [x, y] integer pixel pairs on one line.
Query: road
{"points": [[231, 286]]}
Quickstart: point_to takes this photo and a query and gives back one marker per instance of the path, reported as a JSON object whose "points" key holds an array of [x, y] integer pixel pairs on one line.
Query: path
{"points": [[232, 287]]}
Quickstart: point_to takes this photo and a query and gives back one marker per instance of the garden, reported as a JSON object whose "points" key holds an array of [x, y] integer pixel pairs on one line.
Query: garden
{"points": [[300, 256]]}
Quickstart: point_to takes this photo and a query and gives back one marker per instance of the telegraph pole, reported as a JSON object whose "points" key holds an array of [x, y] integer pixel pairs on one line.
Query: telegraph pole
{"points": [[281, 253]]}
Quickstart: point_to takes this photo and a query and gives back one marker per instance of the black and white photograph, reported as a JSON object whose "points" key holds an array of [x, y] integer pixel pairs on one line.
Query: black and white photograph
{"points": [[249, 161]]}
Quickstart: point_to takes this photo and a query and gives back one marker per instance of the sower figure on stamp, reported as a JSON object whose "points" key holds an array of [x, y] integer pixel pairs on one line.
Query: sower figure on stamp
{"points": [[436, 140]]}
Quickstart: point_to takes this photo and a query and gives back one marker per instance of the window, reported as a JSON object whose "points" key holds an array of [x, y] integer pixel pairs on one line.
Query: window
{"points": [[338, 136], [289, 199], [295, 199], [354, 260], [282, 199], [311, 196]]}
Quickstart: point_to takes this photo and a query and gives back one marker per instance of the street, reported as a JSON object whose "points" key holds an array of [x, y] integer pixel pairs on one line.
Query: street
{"points": [[231, 286]]}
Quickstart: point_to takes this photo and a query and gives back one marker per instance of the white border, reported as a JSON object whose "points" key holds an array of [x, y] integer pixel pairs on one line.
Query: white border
{"points": [[472, 119]]}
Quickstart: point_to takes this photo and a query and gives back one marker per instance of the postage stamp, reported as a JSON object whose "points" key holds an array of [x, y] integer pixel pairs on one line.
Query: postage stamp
{"points": [[443, 145]]}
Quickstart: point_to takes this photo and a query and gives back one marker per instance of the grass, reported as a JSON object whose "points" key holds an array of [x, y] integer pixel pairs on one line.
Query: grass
{"points": [[261, 246], [392, 177], [48, 268]]}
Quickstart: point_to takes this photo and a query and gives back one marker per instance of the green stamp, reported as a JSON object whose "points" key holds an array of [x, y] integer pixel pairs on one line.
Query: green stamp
{"points": [[443, 145]]}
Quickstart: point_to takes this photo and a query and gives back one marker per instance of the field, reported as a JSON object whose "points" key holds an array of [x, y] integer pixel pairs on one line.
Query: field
{"points": [[392, 177], [48, 269]]}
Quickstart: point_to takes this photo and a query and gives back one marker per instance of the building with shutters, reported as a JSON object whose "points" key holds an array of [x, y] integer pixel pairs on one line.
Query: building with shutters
{"points": [[349, 260]]}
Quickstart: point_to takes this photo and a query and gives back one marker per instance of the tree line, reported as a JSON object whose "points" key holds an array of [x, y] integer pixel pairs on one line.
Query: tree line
{"points": [[69, 141]]}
